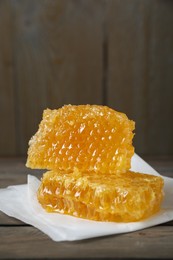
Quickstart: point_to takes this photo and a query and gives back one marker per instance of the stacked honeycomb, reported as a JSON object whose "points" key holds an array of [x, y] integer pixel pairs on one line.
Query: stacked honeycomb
{"points": [[88, 149]]}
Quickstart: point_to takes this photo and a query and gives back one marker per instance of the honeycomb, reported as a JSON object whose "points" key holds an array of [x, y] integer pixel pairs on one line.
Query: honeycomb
{"points": [[90, 138], [102, 197]]}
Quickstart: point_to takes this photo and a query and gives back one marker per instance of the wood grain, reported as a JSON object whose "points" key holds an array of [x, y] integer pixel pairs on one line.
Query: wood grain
{"points": [[160, 91], [117, 53], [9, 221], [128, 57], [139, 72], [7, 94], [13, 172], [30, 242], [57, 58]]}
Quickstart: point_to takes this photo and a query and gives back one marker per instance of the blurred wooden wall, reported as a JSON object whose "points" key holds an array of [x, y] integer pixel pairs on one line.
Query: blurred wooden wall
{"points": [[112, 52]]}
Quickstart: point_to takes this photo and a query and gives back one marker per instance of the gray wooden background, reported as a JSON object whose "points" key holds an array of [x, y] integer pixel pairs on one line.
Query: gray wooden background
{"points": [[113, 52]]}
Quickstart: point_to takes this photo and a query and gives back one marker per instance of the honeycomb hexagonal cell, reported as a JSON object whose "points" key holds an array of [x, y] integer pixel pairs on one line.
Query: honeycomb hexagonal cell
{"points": [[102, 197], [91, 138], [88, 149]]}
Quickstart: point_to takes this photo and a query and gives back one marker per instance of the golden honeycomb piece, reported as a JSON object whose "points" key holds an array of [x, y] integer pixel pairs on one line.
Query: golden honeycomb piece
{"points": [[90, 138], [102, 197]]}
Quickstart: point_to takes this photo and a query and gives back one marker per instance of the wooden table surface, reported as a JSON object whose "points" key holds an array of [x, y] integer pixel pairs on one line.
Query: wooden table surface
{"points": [[21, 241]]}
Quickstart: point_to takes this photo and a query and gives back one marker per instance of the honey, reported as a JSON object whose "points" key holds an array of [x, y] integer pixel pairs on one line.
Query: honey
{"points": [[88, 150], [87, 137], [119, 197]]}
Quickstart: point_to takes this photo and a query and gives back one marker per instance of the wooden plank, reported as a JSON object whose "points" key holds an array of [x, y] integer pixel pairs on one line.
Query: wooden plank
{"points": [[22, 242], [7, 105], [57, 52], [140, 78], [160, 138], [9, 221], [14, 172], [58, 58], [128, 34], [162, 164]]}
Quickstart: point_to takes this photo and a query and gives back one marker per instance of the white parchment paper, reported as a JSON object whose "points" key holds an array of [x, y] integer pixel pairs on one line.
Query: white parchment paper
{"points": [[20, 202]]}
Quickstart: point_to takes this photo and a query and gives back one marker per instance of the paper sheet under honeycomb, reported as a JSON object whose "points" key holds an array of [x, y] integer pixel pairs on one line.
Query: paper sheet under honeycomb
{"points": [[119, 197], [87, 137]]}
